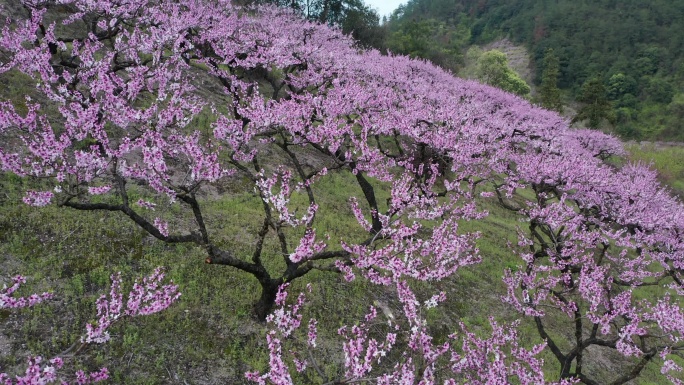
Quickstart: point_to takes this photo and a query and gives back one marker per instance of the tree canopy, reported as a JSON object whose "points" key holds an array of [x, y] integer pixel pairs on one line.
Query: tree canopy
{"points": [[596, 106], [493, 69], [113, 124], [352, 16]]}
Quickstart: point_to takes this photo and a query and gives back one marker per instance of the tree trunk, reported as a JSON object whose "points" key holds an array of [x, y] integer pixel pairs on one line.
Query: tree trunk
{"points": [[263, 307]]}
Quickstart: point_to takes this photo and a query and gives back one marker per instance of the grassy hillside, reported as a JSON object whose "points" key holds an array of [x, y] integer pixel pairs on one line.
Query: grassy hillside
{"points": [[667, 159], [209, 336]]}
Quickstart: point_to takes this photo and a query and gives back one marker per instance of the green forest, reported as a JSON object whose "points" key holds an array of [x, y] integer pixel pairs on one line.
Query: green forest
{"points": [[632, 50]]}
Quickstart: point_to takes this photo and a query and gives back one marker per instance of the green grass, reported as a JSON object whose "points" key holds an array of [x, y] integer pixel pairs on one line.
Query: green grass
{"points": [[210, 335], [669, 161]]}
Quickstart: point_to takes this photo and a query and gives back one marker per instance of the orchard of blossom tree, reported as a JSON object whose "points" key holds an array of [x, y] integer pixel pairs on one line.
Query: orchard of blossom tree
{"points": [[121, 85]]}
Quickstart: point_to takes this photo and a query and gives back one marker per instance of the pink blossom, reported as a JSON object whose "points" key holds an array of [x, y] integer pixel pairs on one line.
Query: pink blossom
{"points": [[162, 226], [8, 301], [99, 190], [38, 198], [109, 311]]}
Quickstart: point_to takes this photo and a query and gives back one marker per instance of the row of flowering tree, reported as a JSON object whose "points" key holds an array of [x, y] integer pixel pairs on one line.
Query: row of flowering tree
{"points": [[120, 86]]}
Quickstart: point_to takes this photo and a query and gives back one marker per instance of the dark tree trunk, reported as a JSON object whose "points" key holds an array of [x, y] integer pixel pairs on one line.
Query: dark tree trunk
{"points": [[263, 307]]}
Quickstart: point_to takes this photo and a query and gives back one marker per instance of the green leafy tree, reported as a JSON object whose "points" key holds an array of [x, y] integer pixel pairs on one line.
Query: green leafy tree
{"points": [[596, 106], [428, 39], [363, 23], [493, 69], [353, 16], [675, 118], [648, 60], [549, 93], [640, 39], [656, 89], [620, 84]]}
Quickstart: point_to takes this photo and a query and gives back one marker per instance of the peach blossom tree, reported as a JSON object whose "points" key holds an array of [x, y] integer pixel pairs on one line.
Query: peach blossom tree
{"points": [[119, 89]]}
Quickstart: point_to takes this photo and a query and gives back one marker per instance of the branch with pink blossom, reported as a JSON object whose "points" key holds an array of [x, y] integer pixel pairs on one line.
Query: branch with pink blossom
{"points": [[8, 301], [405, 355], [147, 297]]}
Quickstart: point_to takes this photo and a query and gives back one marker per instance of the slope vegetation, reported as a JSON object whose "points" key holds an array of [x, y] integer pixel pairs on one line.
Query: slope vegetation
{"points": [[634, 47]]}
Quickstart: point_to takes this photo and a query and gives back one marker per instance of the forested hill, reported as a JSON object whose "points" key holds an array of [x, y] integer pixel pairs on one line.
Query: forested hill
{"points": [[634, 47]]}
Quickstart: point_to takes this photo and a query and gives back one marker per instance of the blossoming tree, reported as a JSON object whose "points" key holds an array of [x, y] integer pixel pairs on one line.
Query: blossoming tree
{"points": [[120, 87]]}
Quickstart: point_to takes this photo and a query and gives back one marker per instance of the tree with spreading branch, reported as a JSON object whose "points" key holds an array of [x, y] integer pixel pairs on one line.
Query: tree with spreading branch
{"points": [[120, 87]]}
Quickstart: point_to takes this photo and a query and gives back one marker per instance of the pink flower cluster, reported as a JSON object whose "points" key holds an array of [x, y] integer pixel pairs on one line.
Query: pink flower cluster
{"points": [[8, 301], [498, 359], [145, 298], [39, 372], [285, 320]]}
